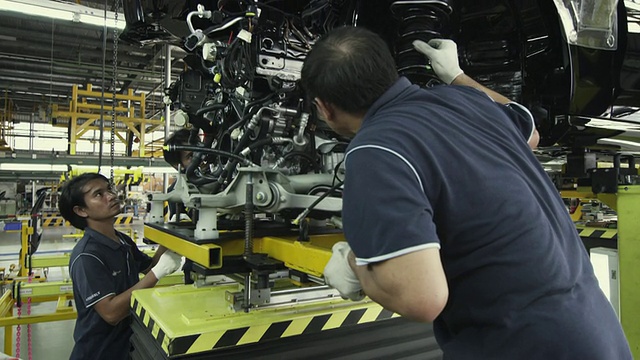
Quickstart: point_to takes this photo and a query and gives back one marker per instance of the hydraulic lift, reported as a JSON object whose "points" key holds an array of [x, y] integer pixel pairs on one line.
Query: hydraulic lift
{"points": [[267, 302]]}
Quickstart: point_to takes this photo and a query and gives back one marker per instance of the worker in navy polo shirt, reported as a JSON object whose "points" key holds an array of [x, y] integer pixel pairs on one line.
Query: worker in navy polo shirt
{"points": [[448, 215], [105, 266]]}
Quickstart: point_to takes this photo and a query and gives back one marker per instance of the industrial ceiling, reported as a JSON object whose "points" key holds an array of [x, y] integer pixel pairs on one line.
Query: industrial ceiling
{"points": [[41, 58]]}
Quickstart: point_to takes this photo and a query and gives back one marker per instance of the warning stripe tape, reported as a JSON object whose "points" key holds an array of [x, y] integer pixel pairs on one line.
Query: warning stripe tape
{"points": [[59, 221], [196, 343], [55, 222], [50, 215], [598, 233]]}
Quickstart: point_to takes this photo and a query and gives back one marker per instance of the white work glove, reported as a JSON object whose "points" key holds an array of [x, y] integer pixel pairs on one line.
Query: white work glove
{"points": [[443, 56], [168, 263], [339, 275]]}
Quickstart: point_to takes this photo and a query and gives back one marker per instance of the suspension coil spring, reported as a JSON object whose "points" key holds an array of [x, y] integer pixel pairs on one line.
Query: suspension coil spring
{"points": [[418, 20]]}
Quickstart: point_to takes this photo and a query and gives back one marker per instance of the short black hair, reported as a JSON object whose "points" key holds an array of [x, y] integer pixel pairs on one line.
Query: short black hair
{"points": [[350, 67], [71, 195], [180, 137]]}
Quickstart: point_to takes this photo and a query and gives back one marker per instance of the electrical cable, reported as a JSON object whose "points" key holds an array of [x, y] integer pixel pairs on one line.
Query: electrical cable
{"points": [[218, 152], [206, 109], [306, 211]]}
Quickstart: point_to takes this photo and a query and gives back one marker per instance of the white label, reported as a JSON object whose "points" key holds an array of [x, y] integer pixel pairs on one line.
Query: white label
{"points": [[26, 291], [66, 288]]}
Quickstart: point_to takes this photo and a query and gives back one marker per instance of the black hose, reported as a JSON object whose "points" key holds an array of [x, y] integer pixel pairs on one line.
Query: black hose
{"points": [[226, 173], [206, 109], [210, 151], [262, 142], [196, 160]]}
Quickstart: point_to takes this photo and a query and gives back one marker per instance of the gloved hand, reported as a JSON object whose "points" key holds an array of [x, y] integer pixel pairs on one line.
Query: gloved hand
{"points": [[339, 275], [443, 55], [168, 263]]}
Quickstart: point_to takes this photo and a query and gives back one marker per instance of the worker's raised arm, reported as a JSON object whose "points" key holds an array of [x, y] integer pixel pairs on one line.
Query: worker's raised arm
{"points": [[443, 58]]}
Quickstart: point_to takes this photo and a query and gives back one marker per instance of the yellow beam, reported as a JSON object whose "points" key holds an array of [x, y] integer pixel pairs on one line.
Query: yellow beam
{"points": [[309, 257], [6, 304], [63, 304], [586, 193], [33, 319], [172, 279], [46, 261], [98, 94], [207, 255], [45, 289]]}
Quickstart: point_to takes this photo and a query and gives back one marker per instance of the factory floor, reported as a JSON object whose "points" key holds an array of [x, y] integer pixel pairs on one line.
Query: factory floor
{"points": [[51, 340]]}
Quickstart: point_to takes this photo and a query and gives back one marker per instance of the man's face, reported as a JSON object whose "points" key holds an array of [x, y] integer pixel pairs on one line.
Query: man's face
{"points": [[101, 201], [332, 118], [185, 158]]}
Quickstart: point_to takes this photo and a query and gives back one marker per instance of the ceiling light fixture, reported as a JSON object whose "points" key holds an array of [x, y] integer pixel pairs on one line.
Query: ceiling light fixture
{"points": [[63, 11]]}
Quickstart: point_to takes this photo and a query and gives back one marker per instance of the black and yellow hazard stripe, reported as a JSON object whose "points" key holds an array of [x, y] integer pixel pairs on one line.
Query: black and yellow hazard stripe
{"points": [[598, 233], [55, 221], [165, 211], [123, 220], [196, 343], [50, 214]]}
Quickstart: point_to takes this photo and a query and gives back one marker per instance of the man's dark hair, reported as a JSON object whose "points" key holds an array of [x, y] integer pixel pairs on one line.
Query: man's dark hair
{"points": [[71, 195], [350, 67], [180, 137]]}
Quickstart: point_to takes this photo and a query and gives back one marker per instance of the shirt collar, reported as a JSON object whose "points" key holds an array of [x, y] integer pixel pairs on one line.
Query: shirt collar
{"points": [[102, 239], [391, 94]]}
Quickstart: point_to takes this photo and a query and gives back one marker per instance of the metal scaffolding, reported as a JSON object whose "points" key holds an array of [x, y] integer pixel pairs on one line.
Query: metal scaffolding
{"points": [[85, 108]]}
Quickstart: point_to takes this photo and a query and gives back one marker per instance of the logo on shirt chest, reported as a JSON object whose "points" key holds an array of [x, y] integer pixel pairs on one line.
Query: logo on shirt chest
{"points": [[115, 273]]}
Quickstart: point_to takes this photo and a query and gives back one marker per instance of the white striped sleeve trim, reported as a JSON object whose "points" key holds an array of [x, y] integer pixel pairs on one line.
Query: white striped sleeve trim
{"points": [[376, 259], [97, 301], [84, 254], [391, 152], [528, 114]]}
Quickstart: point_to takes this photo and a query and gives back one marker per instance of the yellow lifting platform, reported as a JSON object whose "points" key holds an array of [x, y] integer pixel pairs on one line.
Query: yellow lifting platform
{"points": [[184, 320], [213, 320]]}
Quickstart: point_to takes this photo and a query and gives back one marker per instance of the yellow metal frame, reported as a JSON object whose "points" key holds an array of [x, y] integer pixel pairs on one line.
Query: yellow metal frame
{"points": [[586, 193], [25, 232], [626, 202], [85, 105], [628, 209], [8, 320], [59, 291], [207, 255], [307, 256]]}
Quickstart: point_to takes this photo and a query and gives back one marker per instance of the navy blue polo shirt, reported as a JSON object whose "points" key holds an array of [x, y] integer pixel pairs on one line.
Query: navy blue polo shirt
{"points": [[448, 168], [100, 267]]}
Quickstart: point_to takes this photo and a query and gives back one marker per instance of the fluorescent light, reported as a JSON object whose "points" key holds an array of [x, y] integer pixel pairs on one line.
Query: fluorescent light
{"points": [[159, 170], [63, 11], [32, 167]]}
